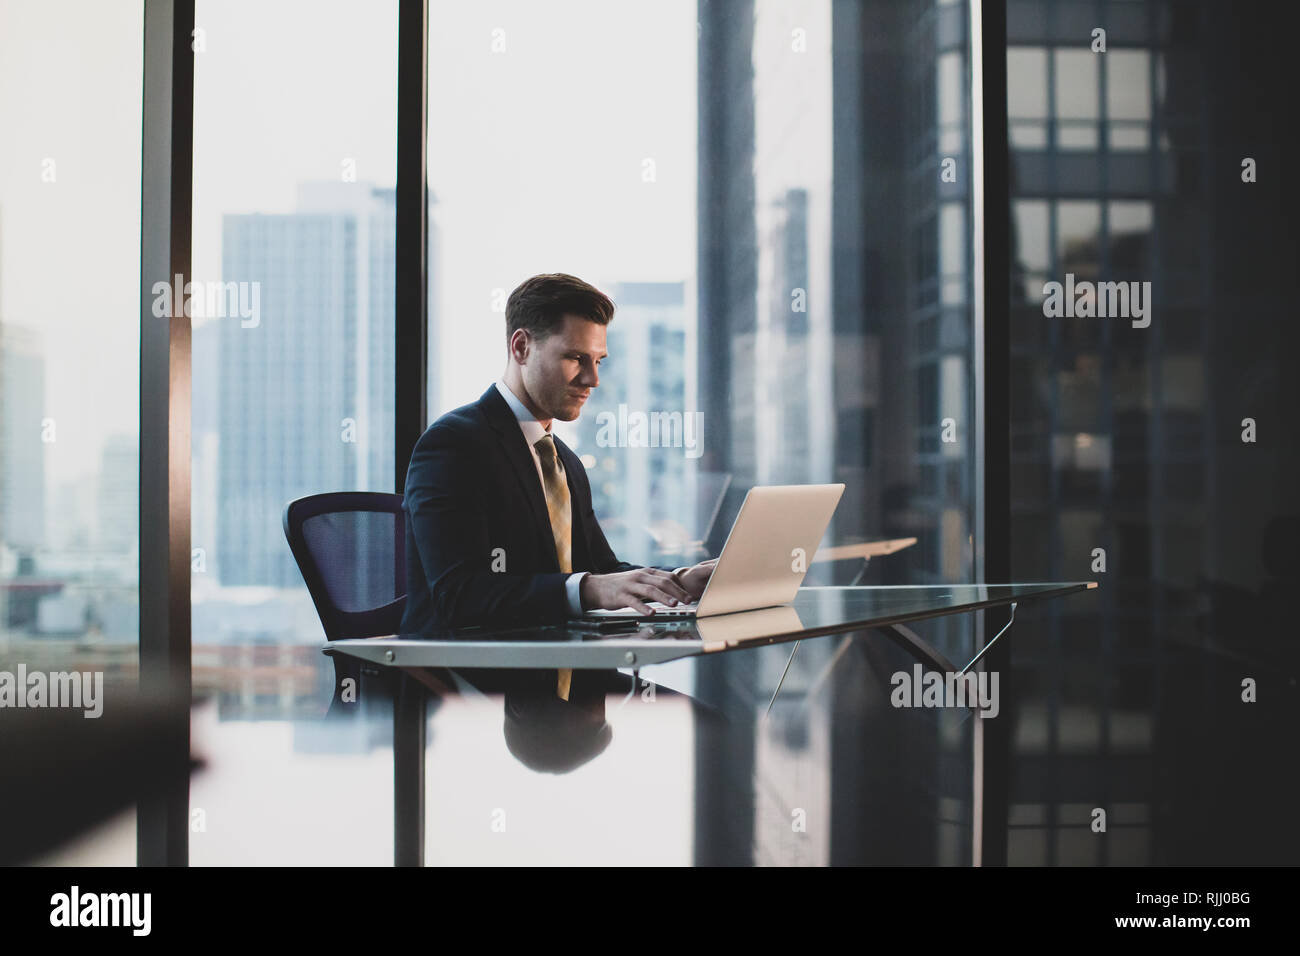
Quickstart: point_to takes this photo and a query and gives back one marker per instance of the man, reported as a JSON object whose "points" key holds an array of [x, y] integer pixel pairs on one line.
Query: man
{"points": [[500, 527]]}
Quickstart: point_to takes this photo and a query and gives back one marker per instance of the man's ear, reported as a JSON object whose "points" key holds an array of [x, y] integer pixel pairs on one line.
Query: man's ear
{"points": [[520, 345]]}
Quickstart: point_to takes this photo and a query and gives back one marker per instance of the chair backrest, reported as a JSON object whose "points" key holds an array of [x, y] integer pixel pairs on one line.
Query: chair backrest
{"points": [[351, 549]]}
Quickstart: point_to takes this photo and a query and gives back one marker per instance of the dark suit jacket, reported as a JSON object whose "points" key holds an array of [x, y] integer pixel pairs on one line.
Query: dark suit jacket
{"points": [[471, 489]]}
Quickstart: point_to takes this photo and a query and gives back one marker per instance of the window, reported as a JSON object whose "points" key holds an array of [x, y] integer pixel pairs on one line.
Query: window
{"points": [[70, 80], [293, 391], [547, 170]]}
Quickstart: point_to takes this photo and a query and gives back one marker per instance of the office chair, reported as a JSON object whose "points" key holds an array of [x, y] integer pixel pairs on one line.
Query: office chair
{"points": [[351, 549]]}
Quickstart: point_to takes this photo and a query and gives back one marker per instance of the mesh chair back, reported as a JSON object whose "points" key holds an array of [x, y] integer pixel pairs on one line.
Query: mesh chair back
{"points": [[351, 549]]}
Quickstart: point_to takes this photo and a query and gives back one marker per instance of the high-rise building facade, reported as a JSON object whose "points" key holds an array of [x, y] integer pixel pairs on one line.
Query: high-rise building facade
{"points": [[22, 461], [635, 431], [1136, 129], [306, 399]]}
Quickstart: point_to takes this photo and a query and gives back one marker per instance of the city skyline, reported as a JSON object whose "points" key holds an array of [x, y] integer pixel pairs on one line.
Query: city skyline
{"points": [[490, 198]]}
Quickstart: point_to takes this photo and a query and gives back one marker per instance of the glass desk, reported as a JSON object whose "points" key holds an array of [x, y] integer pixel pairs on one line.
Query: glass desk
{"points": [[423, 662]]}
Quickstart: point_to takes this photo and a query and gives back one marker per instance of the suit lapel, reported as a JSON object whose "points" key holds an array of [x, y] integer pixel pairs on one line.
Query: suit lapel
{"points": [[516, 450]]}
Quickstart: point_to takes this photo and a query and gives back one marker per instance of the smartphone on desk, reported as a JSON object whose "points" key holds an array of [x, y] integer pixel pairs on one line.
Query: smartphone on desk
{"points": [[599, 626]]}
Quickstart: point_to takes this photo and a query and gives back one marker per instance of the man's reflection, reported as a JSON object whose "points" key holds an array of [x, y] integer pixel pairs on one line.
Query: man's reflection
{"points": [[548, 734]]}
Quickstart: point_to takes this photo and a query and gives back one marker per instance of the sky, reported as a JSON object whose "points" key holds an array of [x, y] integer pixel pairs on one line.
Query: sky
{"points": [[70, 213], [561, 138]]}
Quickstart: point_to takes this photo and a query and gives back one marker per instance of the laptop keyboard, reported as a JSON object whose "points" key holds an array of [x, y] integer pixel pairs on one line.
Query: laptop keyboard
{"points": [[666, 611]]}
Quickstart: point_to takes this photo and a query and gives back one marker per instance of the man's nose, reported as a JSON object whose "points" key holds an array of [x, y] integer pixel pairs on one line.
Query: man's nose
{"points": [[589, 376]]}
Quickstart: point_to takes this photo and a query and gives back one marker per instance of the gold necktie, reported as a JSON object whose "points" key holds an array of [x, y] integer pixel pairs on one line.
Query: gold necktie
{"points": [[561, 514]]}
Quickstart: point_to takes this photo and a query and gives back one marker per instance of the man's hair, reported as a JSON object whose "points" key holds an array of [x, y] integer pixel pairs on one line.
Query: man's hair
{"points": [[540, 304]]}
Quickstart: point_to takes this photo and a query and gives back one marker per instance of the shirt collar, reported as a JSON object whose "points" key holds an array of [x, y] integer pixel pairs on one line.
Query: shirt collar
{"points": [[528, 424]]}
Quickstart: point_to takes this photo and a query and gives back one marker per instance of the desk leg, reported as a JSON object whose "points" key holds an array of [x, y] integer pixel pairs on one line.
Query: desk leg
{"points": [[409, 722], [789, 661], [903, 636], [909, 640], [991, 757], [994, 755]]}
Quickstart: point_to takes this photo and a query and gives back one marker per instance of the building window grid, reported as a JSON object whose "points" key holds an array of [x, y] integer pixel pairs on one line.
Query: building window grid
{"points": [[941, 475], [1054, 347]]}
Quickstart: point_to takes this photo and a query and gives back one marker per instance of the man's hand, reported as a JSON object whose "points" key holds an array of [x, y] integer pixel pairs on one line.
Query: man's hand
{"points": [[632, 589], [695, 578]]}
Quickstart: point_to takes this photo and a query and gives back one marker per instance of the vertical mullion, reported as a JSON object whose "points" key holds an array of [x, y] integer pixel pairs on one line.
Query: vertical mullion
{"points": [[992, 207], [410, 371], [411, 319], [166, 200]]}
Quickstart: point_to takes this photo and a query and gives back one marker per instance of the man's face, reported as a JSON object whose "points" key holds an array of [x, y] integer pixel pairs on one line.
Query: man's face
{"points": [[559, 371]]}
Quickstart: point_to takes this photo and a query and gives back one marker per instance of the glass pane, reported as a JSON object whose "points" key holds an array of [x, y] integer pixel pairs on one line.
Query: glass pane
{"points": [[1077, 225], [70, 80], [1075, 86], [1127, 137], [614, 207], [870, 385], [1077, 135], [1028, 135], [951, 88], [1130, 236], [1132, 464], [576, 154], [779, 304], [1026, 83], [292, 396], [1032, 238], [1128, 84]]}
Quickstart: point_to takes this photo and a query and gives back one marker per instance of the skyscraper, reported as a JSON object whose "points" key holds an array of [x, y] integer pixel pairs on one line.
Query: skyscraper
{"points": [[639, 492], [118, 494], [306, 403], [22, 461]]}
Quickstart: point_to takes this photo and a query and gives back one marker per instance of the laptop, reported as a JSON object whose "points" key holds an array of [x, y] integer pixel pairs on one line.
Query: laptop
{"points": [[765, 557]]}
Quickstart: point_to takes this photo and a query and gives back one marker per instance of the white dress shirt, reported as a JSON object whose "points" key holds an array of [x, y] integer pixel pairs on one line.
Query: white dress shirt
{"points": [[533, 433]]}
